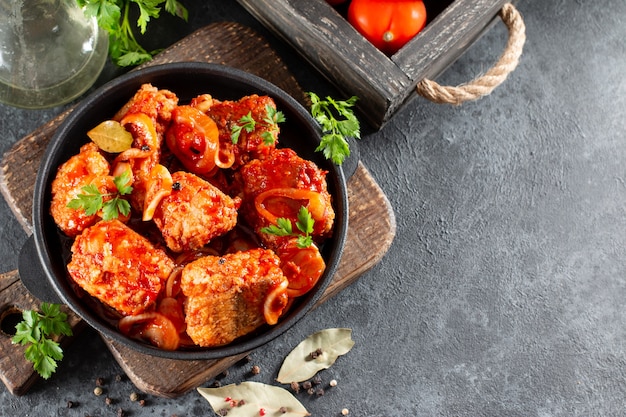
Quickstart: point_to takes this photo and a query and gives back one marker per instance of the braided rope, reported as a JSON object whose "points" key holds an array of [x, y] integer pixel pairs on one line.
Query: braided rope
{"points": [[485, 84]]}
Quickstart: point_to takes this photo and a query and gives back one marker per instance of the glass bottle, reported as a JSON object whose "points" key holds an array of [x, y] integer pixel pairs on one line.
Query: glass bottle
{"points": [[50, 53]]}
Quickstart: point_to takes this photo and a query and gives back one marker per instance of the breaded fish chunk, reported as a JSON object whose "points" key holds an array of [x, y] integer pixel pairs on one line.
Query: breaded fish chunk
{"points": [[87, 167], [230, 296], [119, 267], [194, 213]]}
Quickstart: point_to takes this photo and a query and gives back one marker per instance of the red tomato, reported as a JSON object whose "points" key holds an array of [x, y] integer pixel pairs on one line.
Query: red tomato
{"points": [[388, 24]]}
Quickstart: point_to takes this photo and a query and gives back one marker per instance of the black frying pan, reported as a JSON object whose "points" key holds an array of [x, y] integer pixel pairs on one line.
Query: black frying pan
{"points": [[43, 260]]}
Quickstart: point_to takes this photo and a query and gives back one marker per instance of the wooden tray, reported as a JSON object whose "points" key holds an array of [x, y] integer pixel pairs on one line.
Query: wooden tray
{"points": [[370, 233], [383, 83]]}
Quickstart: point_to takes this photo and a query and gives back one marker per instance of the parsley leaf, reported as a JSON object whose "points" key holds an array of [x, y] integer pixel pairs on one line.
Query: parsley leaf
{"points": [[36, 332], [304, 224], [114, 17], [271, 120], [91, 200], [338, 122]]}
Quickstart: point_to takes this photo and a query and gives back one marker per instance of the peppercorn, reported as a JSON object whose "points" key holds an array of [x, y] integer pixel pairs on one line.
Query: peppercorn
{"points": [[307, 385], [316, 353], [282, 410], [121, 412], [295, 387], [345, 412], [118, 378], [222, 412], [310, 391], [98, 391], [142, 402], [320, 392], [108, 401], [70, 404], [134, 396], [256, 369], [316, 380], [176, 186], [99, 382], [333, 383], [216, 384]]}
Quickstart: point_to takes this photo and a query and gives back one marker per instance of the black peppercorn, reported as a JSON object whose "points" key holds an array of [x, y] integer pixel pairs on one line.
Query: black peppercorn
{"points": [[307, 385], [176, 186], [295, 387]]}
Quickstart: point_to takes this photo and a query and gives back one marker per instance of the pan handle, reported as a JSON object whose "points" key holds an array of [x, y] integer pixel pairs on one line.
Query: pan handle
{"points": [[32, 274]]}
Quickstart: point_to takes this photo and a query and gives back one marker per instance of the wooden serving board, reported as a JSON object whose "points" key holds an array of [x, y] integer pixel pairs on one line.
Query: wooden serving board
{"points": [[370, 233]]}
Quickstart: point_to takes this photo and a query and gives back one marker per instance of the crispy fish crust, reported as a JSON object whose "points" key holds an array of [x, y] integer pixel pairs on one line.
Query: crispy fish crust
{"points": [[119, 267], [226, 295], [194, 213]]}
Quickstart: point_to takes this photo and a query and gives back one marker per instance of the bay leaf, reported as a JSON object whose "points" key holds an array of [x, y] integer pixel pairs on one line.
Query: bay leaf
{"points": [[300, 365], [253, 399]]}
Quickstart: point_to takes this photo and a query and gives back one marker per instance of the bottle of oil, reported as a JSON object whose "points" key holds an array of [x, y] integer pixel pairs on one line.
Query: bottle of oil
{"points": [[50, 53]]}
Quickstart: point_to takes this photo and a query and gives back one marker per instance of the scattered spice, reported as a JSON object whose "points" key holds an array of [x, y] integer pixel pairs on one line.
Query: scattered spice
{"points": [[316, 353], [222, 412], [100, 382], [310, 391], [142, 403], [317, 380], [333, 383], [345, 412], [134, 396], [108, 400], [216, 384], [319, 392], [118, 378], [307, 385], [176, 186], [121, 412], [295, 387], [256, 369], [282, 410], [98, 391], [70, 404]]}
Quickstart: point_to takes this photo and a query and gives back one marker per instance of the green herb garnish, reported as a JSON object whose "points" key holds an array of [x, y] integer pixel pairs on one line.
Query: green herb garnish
{"points": [[113, 16], [271, 120], [92, 200], [335, 130], [304, 224], [36, 331]]}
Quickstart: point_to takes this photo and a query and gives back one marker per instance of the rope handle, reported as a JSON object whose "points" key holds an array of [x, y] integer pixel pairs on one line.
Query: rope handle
{"points": [[485, 84]]}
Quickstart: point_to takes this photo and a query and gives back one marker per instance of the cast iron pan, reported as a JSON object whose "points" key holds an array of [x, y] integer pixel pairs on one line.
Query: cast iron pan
{"points": [[43, 260]]}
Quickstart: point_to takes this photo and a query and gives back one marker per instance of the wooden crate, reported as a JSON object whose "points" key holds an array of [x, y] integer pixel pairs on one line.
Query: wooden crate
{"points": [[383, 84]]}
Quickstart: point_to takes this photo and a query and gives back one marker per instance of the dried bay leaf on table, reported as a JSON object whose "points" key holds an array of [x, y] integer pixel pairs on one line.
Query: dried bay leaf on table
{"points": [[329, 344], [253, 399]]}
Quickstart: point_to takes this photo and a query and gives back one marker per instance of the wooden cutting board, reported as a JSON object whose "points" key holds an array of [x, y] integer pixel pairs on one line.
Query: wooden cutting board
{"points": [[370, 233]]}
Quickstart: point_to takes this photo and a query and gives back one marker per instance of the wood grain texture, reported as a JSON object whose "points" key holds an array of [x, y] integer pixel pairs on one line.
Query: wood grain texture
{"points": [[371, 219], [355, 66]]}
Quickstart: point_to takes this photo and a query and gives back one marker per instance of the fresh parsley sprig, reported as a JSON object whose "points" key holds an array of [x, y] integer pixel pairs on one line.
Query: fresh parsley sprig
{"points": [[338, 122], [304, 224], [92, 200], [271, 120], [114, 17], [36, 331]]}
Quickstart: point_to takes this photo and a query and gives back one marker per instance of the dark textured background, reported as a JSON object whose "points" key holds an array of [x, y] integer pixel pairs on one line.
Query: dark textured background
{"points": [[503, 292]]}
